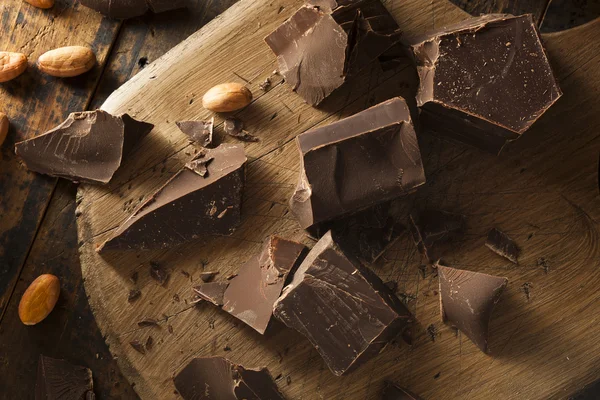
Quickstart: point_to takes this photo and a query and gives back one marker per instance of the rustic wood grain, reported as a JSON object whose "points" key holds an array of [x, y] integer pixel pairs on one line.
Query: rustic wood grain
{"points": [[540, 194]]}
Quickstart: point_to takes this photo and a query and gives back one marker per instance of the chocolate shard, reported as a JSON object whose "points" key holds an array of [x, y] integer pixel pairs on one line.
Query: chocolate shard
{"points": [[434, 231], [200, 132], [217, 378], [502, 245], [191, 204], [467, 300], [138, 346], [61, 380], [88, 146], [123, 9], [342, 307], [391, 391], [357, 162], [212, 292], [367, 234], [252, 293], [234, 127], [325, 41], [484, 81]]}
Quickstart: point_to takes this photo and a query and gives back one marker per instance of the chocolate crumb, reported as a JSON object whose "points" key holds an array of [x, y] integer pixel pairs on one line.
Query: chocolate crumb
{"points": [[147, 322], [278, 377], [134, 294], [437, 375], [544, 264], [170, 329], [265, 85], [138, 346], [211, 324], [158, 273], [176, 298], [226, 348], [185, 273], [134, 277], [288, 379], [235, 127], [149, 343], [526, 288], [432, 332]]}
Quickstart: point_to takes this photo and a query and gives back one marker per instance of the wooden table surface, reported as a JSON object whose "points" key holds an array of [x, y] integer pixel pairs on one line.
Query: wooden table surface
{"points": [[37, 224]]}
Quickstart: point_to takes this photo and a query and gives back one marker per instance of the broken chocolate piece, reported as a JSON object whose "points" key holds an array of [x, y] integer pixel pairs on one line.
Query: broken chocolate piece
{"points": [[484, 81], [217, 378], [189, 205], [357, 162], [391, 391], [123, 9], [235, 127], [88, 146], [134, 294], [158, 273], [60, 380], [342, 307], [502, 245], [467, 300], [326, 41], [212, 291], [137, 346], [252, 293], [200, 132], [147, 322], [208, 276], [433, 231], [149, 343]]}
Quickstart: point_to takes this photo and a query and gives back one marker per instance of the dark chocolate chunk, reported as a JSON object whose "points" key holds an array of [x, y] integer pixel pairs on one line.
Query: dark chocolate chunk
{"points": [[484, 81], [134, 294], [147, 322], [502, 245], [325, 41], [208, 276], [235, 127], [467, 300], [212, 291], [434, 231], [217, 378], [149, 343], [158, 273], [391, 391], [189, 205], [60, 380], [252, 293], [342, 307], [137, 346], [200, 132], [123, 9], [356, 163], [88, 146]]}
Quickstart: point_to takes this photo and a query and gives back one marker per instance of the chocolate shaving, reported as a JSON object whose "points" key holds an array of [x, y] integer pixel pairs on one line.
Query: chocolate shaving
{"points": [[235, 127], [149, 343], [502, 245], [134, 294], [147, 322], [137, 346]]}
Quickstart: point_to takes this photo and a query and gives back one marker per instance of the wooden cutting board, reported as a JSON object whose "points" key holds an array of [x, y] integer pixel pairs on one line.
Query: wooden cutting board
{"points": [[542, 191]]}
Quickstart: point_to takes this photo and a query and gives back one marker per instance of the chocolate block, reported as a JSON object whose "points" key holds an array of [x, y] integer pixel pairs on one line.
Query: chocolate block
{"points": [[484, 81], [203, 198], [357, 162], [212, 291], [342, 307], [502, 245], [433, 231], [123, 9], [391, 391], [60, 380], [200, 132], [217, 378], [326, 41], [467, 300], [258, 284], [88, 146]]}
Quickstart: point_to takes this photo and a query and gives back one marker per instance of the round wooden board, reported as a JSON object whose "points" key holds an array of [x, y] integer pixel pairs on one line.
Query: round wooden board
{"points": [[542, 191]]}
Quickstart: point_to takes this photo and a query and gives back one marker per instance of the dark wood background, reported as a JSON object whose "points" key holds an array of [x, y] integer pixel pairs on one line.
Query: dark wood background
{"points": [[37, 213]]}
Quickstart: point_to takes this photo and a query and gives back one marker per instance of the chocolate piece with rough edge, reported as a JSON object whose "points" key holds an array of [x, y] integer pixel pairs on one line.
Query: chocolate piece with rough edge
{"points": [[208, 276], [484, 81], [467, 300], [258, 284], [191, 204], [61, 380], [433, 231], [325, 41], [357, 162], [123, 9], [217, 378], [342, 307], [88, 146], [212, 292], [234, 127], [200, 132], [391, 391], [502, 245]]}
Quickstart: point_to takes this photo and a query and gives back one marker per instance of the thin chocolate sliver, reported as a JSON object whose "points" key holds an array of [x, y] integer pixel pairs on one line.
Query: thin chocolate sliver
{"points": [[149, 343], [434, 231], [392, 391], [200, 132], [61, 380], [147, 322], [212, 292], [137, 346], [467, 300], [502, 245], [234, 127], [158, 273]]}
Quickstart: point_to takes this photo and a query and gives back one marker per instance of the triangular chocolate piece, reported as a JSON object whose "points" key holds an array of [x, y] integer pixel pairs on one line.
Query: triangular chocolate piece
{"points": [[200, 132], [467, 300], [60, 380], [193, 203], [212, 291]]}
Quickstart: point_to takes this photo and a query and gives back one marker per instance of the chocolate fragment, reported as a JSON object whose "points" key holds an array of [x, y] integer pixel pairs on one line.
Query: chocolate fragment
{"points": [[212, 291], [158, 273], [61, 380], [357, 162], [189, 205], [502, 245], [235, 127], [134, 294], [252, 293], [391, 391], [434, 231], [137, 346], [484, 81], [123, 9], [147, 322], [342, 307], [217, 378], [326, 41], [149, 343], [87, 147], [467, 300], [208, 276], [200, 132]]}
